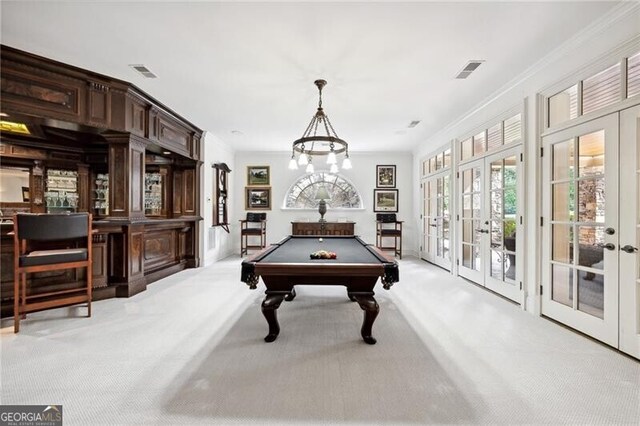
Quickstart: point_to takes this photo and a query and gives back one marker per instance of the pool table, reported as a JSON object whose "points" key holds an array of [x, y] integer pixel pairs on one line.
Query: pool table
{"points": [[287, 263]]}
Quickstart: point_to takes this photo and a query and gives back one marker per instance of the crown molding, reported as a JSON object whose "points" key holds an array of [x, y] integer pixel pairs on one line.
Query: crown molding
{"points": [[614, 15]]}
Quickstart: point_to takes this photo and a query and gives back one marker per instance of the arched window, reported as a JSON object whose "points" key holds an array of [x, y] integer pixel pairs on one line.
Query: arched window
{"points": [[343, 195]]}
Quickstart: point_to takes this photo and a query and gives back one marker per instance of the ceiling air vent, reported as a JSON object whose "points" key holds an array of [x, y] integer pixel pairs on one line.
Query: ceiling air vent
{"points": [[469, 68], [413, 124], [146, 72]]}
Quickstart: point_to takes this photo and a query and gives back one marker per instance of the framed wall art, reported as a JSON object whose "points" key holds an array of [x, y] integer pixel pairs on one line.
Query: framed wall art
{"points": [[386, 176], [258, 175], [385, 200], [258, 198]]}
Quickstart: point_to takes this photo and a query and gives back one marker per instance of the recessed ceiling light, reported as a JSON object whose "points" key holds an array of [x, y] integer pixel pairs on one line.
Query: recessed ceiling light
{"points": [[146, 72], [470, 67], [166, 152], [3, 114]]}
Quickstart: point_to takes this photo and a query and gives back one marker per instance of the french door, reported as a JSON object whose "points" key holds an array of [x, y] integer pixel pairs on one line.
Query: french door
{"points": [[437, 219], [490, 222], [581, 233], [630, 231]]}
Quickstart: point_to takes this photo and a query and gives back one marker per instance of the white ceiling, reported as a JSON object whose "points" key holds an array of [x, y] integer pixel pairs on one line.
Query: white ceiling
{"points": [[250, 67]]}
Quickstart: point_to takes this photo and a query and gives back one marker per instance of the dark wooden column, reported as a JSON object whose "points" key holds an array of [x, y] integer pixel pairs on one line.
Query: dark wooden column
{"points": [[126, 175], [84, 188], [126, 201]]}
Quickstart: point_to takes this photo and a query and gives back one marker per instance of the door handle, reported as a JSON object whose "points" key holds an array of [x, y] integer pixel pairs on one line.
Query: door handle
{"points": [[483, 231], [435, 226], [609, 246], [629, 249]]}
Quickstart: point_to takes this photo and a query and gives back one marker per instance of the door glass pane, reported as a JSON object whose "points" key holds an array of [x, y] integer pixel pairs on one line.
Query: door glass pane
{"points": [[510, 234], [476, 205], [496, 174], [510, 267], [591, 293], [563, 106], [477, 264], [563, 201], [446, 186], [439, 161], [466, 180], [496, 204], [562, 284], [476, 179], [590, 247], [591, 154], [467, 231], [466, 256], [479, 143], [496, 234], [466, 206], [510, 202], [510, 171], [466, 149], [497, 264], [562, 243], [563, 160], [591, 200]]}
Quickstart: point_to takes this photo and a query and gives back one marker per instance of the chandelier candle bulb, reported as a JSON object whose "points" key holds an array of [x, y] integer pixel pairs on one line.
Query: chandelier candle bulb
{"points": [[303, 159], [293, 164], [331, 158], [346, 163], [334, 168]]}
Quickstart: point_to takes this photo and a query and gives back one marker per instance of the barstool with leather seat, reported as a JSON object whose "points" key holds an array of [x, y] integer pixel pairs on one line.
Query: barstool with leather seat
{"points": [[255, 225], [50, 242], [384, 230]]}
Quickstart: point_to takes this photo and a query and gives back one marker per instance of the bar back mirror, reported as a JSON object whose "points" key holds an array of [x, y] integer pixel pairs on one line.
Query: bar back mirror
{"points": [[14, 190]]}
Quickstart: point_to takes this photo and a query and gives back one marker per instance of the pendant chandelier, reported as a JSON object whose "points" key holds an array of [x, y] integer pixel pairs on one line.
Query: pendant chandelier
{"points": [[311, 144]]}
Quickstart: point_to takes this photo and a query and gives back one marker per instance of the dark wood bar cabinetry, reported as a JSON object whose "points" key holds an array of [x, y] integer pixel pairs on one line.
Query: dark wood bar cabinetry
{"points": [[88, 142], [322, 228]]}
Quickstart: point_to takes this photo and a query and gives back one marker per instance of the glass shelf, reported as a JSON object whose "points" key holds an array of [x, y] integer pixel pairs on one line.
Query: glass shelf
{"points": [[153, 187], [101, 194], [61, 191]]}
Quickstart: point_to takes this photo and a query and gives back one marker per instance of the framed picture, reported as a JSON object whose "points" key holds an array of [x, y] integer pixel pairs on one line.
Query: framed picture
{"points": [[25, 194], [258, 198], [386, 176], [385, 200], [258, 175]]}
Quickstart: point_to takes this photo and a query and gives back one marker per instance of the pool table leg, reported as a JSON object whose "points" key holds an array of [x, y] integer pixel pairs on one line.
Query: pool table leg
{"points": [[371, 309], [289, 297], [269, 306]]}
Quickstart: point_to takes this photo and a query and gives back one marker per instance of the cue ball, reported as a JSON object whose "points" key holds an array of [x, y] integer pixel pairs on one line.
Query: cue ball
{"points": [[320, 239]]}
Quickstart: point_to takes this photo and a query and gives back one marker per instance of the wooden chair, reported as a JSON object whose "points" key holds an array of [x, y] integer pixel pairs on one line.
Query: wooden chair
{"points": [[50, 242], [255, 225], [384, 230]]}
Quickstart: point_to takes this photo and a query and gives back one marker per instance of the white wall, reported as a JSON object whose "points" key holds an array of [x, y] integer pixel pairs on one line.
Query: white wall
{"points": [[215, 242], [617, 27], [362, 176]]}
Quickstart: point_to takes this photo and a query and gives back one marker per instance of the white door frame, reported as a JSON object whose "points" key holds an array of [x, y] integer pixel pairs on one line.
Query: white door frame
{"points": [[510, 291], [476, 233], [630, 231], [605, 329], [429, 252]]}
